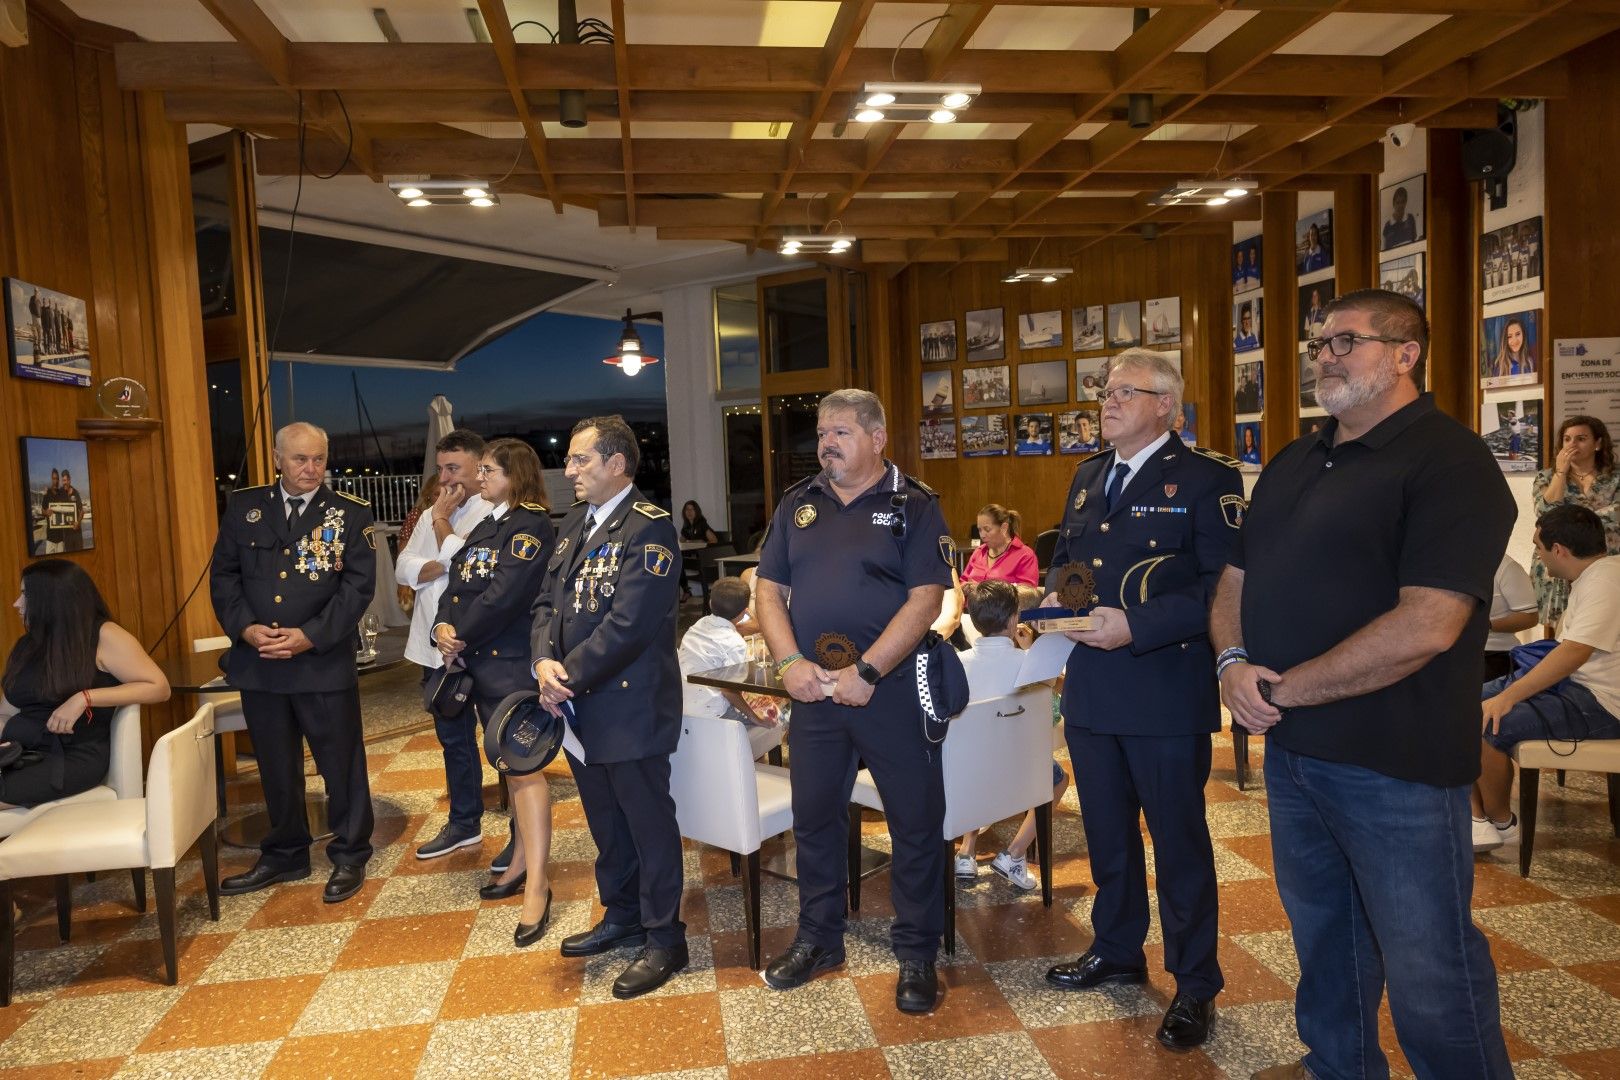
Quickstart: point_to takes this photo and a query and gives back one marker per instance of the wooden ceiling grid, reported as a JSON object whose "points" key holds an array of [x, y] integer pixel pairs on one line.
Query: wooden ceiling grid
{"points": [[1310, 118]]}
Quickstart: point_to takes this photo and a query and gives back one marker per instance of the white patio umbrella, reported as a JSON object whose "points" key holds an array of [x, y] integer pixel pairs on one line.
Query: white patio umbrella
{"points": [[439, 425]]}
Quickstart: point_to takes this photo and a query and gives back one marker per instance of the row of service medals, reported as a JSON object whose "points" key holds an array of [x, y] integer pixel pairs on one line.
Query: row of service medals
{"points": [[480, 561], [322, 549], [596, 576]]}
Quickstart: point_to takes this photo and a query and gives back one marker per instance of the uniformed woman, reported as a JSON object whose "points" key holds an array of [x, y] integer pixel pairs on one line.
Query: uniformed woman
{"points": [[484, 622]]}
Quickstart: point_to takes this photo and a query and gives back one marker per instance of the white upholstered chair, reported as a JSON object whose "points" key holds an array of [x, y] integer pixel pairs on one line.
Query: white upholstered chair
{"points": [[998, 764], [726, 800], [136, 832], [1533, 755], [123, 773], [228, 716]]}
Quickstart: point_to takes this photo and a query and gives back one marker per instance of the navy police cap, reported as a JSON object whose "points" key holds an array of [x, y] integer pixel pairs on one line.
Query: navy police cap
{"points": [[522, 737]]}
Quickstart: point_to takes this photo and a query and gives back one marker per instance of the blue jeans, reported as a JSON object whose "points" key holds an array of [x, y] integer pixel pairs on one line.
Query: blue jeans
{"points": [[1376, 875], [1567, 711], [463, 773]]}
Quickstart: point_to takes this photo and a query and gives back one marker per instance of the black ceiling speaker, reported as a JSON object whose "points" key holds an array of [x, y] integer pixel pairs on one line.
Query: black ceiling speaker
{"points": [[1489, 154]]}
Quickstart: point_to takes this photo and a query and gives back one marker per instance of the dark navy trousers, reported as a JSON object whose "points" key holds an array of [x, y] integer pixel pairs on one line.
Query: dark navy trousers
{"points": [[638, 863]]}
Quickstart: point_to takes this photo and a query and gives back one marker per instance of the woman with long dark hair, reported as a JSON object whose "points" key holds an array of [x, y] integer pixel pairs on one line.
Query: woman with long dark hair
{"points": [[1583, 473], [71, 668], [694, 526], [483, 624]]}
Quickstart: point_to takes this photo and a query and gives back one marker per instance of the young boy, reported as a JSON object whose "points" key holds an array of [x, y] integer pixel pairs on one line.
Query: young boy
{"points": [[712, 642]]}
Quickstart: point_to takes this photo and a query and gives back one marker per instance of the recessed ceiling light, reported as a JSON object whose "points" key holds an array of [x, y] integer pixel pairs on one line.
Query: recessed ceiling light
{"points": [[474, 192], [880, 99], [1219, 200], [942, 116], [869, 116], [483, 202], [419, 202], [955, 100], [410, 193], [1236, 192], [897, 101]]}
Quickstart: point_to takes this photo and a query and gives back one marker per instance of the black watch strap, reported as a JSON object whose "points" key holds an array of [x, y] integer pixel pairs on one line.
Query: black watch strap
{"points": [[867, 672]]}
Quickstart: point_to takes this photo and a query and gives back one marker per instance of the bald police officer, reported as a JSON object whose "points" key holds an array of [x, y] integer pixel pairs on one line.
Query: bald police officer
{"points": [[294, 569], [864, 551]]}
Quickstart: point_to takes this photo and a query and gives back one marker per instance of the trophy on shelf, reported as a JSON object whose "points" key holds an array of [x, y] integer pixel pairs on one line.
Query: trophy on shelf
{"points": [[1076, 592], [370, 627]]}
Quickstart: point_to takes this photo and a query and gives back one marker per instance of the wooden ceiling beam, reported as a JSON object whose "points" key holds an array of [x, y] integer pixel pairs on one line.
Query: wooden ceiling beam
{"points": [[877, 215], [505, 49], [621, 71]]}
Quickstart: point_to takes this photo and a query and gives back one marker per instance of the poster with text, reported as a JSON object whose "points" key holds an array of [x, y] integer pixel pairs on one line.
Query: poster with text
{"points": [[1510, 351], [1400, 212], [1586, 374], [1248, 445], [48, 333], [1313, 242], [1313, 302], [1034, 433], [1186, 424], [1246, 264], [1404, 276], [1512, 431], [1510, 261], [1247, 332], [984, 435], [1080, 431], [1249, 388]]}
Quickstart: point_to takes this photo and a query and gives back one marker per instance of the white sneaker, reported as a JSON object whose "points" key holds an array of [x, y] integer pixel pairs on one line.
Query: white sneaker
{"points": [[1016, 871], [967, 868], [1509, 833], [1486, 838]]}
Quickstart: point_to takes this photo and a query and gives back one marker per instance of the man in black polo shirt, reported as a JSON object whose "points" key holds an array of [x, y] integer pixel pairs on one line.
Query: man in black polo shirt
{"points": [[1350, 624]]}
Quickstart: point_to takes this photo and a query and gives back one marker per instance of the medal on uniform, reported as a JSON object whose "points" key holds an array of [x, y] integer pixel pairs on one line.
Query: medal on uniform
{"points": [[835, 651], [1080, 499], [804, 516], [1076, 592], [579, 591]]}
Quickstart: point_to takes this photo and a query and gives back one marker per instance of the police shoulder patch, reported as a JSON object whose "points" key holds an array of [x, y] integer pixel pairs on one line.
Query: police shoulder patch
{"points": [[352, 498], [1233, 507], [651, 510], [1215, 455], [657, 560], [947, 550], [370, 533], [525, 547]]}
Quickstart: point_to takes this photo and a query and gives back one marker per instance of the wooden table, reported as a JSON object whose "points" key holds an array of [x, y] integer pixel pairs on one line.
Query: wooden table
{"points": [[733, 565]]}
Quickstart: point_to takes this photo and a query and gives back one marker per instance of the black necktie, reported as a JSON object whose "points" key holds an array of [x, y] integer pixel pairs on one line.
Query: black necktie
{"points": [[295, 506], [1115, 483]]}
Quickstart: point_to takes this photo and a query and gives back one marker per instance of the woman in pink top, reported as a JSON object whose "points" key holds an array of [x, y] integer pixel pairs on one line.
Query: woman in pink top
{"points": [[1001, 556]]}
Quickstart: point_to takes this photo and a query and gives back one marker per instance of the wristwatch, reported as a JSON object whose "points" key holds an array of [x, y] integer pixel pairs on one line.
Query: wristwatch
{"points": [[867, 672]]}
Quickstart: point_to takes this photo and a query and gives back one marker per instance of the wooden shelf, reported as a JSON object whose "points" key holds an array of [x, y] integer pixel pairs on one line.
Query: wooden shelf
{"points": [[121, 428]]}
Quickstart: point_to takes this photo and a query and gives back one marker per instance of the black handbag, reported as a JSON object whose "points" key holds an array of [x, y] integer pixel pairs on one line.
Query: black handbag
{"points": [[447, 692]]}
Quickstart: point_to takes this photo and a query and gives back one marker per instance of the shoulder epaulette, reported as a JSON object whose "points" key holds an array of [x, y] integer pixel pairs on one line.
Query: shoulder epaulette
{"points": [[255, 487], [802, 483], [533, 507], [576, 502], [651, 510], [920, 486], [1216, 455], [352, 498]]}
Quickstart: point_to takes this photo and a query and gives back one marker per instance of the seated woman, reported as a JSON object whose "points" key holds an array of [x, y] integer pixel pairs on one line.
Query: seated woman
{"points": [[1000, 556], [694, 526], [72, 667], [483, 624]]}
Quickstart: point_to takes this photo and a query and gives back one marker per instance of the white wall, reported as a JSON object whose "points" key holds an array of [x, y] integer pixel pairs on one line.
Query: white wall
{"points": [[697, 460]]}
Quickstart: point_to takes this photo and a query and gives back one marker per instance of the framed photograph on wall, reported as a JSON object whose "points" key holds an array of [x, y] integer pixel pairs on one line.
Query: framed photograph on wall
{"points": [[1401, 213], [1248, 445], [1313, 302], [1249, 388], [936, 393], [984, 435], [1163, 321], [1403, 275], [985, 388], [1312, 423], [1512, 430], [1307, 381], [1246, 265], [1033, 431], [938, 341], [1313, 242], [56, 495], [1046, 383], [1186, 424], [1510, 350], [1248, 331], [1089, 376], [938, 439], [48, 334], [985, 340], [1086, 324], [1040, 330], [1080, 431], [1124, 325], [1510, 261]]}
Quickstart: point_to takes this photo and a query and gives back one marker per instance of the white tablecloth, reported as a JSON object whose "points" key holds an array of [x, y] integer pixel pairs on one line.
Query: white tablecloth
{"points": [[385, 601]]}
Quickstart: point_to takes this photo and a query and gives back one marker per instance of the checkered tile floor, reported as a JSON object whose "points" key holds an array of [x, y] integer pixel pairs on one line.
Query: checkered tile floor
{"points": [[416, 976]]}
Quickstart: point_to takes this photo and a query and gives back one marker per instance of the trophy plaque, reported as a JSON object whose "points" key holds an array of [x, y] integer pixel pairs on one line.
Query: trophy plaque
{"points": [[1076, 592], [122, 398]]}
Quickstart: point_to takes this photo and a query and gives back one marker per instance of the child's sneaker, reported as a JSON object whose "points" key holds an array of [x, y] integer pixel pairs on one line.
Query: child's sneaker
{"points": [[1016, 871]]}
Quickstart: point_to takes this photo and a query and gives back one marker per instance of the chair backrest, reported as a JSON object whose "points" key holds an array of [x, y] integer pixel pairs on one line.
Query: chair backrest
{"points": [[998, 760], [711, 778], [209, 644], [124, 765], [1045, 545], [180, 800]]}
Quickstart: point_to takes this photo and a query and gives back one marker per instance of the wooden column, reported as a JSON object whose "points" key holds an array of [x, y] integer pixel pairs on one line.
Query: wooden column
{"points": [[1355, 229], [1453, 282], [1278, 214]]}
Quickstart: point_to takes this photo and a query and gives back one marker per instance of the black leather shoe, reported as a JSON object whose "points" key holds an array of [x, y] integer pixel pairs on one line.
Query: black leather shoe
{"points": [[1186, 1022], [496, 891], [344, 882], [918, 988], [652, 969], [1092, 970], [527, 934], [601, 938], [503, 861], [262, 876], [800, 964]]}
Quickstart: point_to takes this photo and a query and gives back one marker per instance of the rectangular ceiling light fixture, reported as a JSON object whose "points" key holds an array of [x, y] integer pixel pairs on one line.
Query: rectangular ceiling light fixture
{"points": [[444, 192], [900, 101], [815, 243], [1204, 192], [1044, 274]]}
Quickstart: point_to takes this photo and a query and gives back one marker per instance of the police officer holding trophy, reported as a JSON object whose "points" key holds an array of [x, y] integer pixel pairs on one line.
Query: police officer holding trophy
{"points": [[603, 643], [1150, 522], [293, 571], [482, 627], [865, 553]]}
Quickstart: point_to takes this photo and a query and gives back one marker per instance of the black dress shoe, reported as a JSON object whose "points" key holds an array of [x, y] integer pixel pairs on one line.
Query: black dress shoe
{"points": [[1092, 970], [601, 938], [652, 969], [344, 882], [527, 934], [261, 876], [800, 964], [1186, 1022], [496, 891], [503, 861], [918, 988]]}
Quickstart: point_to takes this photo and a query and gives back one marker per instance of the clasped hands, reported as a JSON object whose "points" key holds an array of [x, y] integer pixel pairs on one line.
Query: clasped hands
{"points": [[281, 643], [551, 676], [808, 681], [1240, 689]]}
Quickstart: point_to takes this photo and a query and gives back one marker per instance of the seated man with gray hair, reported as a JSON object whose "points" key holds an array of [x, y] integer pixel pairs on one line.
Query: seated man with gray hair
{"points": [[714, 642]]}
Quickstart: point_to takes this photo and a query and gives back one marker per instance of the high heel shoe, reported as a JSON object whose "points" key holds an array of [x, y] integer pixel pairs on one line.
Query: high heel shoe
{"points": [[496, 891], [527, 934]]}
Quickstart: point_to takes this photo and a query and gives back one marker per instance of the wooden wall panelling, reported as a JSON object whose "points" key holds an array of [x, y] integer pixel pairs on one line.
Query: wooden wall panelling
{"points": [[1355, 228], [1453, 282], [1279, 213], [1583, 217]]}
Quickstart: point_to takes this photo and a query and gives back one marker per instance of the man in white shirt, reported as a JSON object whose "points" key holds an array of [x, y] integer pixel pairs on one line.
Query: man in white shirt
{"points": [[422, 564], [1574, 691], [713, 642]]}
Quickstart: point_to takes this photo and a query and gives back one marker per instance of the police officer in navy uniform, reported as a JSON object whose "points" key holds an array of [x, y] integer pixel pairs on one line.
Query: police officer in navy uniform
{"points": [[483, 624], [294, 570], [865, 553], [1153, 521], [603, 644]]}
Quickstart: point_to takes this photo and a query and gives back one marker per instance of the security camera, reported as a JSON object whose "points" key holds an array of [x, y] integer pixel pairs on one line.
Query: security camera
{"points": [[1401, 135]]}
